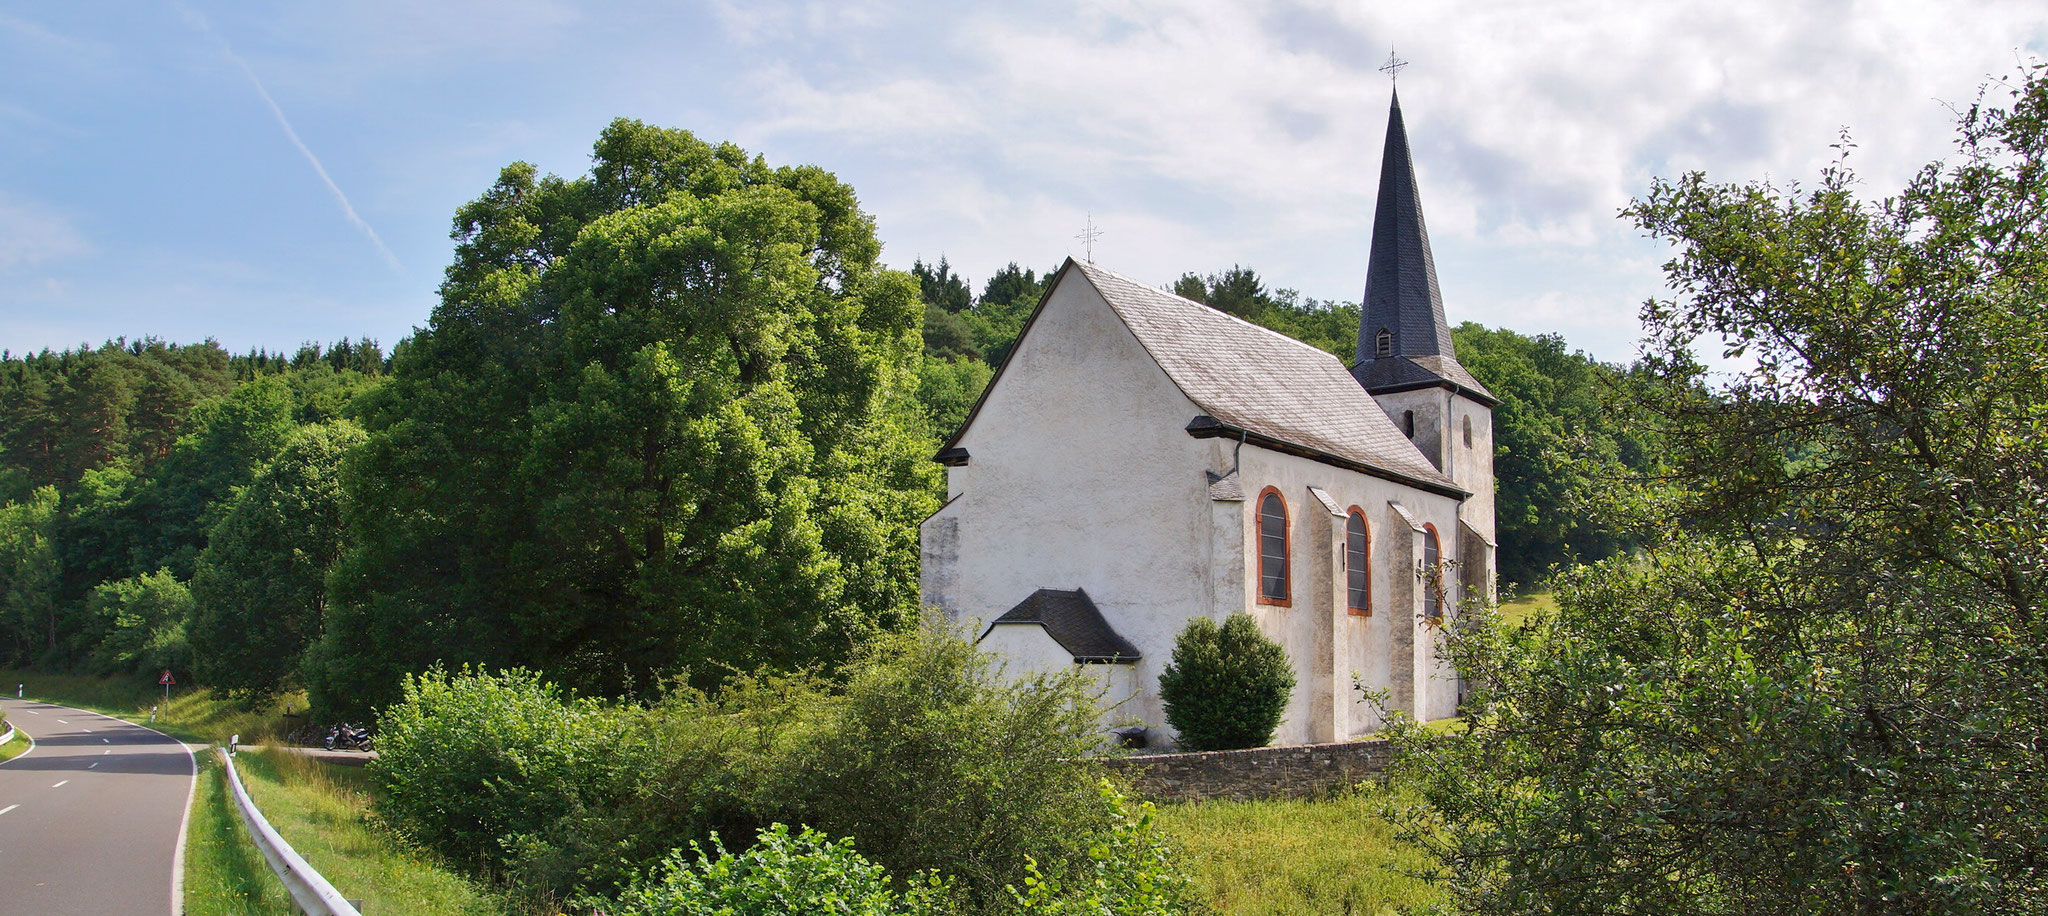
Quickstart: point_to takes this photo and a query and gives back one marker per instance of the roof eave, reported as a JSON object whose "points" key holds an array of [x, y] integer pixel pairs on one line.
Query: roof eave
{"points": [[1208, 427], [1485, 398]]}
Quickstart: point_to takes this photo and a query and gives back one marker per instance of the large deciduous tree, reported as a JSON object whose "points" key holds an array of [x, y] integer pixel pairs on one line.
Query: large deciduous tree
{"points": [[658, 425], [261, 587], [1824, 688]]}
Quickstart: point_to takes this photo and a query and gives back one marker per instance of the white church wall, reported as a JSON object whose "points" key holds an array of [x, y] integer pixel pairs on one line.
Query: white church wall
{"points": [[1026, 650], [1310, 629], [1081, 476]]}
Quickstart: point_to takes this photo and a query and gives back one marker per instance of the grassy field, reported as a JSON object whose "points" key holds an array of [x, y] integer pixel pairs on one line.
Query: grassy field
{"points": [[1297, 858], [1521, 609]]}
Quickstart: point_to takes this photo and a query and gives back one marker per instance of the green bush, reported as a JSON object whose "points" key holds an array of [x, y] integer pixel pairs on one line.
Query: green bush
{"points": [[1226, 687], [808, 874], [1129, 871], [474, 762], [922, 753], [932, 759]]}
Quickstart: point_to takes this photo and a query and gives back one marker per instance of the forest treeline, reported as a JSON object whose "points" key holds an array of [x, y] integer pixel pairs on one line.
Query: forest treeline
{"points": [[671, 420]]}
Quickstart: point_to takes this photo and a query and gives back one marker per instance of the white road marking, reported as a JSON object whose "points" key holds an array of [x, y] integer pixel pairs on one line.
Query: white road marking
{"points": [[8, 808], [60, 783], [31, 712], [63, 722], [106, 741], [107, 751], [93, 764]]}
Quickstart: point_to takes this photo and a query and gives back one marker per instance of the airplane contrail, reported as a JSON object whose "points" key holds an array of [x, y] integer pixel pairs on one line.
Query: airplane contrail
{"points": [[199, 22]]}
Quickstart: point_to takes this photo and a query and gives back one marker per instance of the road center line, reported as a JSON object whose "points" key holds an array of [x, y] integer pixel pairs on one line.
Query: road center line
{"points": [[93, 764], [106, 741], [107, 751], [60, 783], [8, 808], [31, 712], [63, 722]]}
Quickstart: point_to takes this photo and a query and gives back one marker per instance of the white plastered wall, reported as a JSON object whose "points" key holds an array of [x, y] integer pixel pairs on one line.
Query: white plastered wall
{"points": [[1081, 475], [1333, 650], [1028, 650]]}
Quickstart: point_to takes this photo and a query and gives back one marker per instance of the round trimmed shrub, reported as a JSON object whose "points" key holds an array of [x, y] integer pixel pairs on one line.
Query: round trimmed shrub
{"points": [[1226, 687]]}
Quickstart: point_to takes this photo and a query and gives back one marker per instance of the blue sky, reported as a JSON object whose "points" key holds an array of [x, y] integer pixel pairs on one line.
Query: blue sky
{"points": [[268, 174]]}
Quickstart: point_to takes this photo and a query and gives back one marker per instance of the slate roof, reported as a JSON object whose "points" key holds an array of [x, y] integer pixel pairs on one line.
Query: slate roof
{"points": [[1072, 620], [1264, 382], [1401, 291]]}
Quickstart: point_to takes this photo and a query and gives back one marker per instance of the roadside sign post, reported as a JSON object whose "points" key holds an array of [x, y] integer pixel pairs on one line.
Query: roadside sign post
{"points": [[167, 680]]}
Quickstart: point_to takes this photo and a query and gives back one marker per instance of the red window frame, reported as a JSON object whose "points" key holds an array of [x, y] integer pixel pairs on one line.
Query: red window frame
{"points": [[1432, 574], [1363, 563], [1286, 596]]}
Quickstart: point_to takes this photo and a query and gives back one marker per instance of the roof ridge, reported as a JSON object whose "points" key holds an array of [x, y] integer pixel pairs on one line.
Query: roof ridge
{"points": [[1312, 348]]}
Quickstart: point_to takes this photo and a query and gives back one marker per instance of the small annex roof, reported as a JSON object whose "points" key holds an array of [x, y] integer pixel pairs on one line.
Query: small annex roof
{"points": [[1072, 620], [1263, 383]]}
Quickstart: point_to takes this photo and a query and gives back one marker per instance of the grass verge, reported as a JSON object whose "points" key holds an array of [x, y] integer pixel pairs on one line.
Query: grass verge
{"points": [[323, 811], [16, 747], [320, 809], [1298, 858]]}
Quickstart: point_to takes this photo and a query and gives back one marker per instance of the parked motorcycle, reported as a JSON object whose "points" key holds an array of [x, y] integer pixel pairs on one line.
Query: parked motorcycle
{"points": [[346, 737]]}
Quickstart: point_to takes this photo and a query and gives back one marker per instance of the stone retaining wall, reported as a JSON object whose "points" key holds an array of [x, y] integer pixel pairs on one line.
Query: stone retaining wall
{"points": [[1300, 771]]}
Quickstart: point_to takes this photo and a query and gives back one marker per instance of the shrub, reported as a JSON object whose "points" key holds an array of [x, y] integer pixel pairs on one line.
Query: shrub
{"points": [[472, 762], [923, 753], [1225, 687], [933, 759], [1129, 871], [807, 874]]}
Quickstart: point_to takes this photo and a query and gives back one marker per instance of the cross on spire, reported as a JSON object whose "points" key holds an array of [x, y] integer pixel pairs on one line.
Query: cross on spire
{"points": [[1088, 236], [1392, 68]]}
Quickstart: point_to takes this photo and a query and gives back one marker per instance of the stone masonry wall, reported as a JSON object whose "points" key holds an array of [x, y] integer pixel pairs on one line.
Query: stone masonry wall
{"points": [[1299, 771]]}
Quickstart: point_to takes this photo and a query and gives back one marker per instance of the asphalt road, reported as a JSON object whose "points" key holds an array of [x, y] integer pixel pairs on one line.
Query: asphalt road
{"points": [[92, 819]]}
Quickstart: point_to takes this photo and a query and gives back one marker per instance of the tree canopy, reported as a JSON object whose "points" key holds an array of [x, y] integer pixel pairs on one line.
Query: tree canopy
{"points": [[657, 426]]}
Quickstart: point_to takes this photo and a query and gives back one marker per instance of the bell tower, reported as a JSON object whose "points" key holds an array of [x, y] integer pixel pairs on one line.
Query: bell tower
{"points": [[1406, 362]]}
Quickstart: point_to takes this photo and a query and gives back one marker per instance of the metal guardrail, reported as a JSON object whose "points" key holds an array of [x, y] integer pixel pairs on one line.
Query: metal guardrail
{"points": [[10, 734], [311, 892]]}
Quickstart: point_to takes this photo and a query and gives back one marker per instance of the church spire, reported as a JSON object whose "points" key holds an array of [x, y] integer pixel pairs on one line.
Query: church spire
{"points": [[1404, 312]]}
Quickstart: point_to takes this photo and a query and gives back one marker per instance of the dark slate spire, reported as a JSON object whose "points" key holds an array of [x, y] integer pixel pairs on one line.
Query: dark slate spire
{"points": [[1401, 297], [1400, 280]]}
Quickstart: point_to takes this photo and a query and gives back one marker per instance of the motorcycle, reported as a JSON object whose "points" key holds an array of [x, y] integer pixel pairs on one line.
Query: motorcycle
{"points": [[347, 737]]}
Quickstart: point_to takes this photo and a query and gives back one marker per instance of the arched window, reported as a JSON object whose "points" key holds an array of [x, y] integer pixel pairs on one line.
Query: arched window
{"points": [[1468, 431], [1383, 344], [1357, 564], [1274, 583], [1408, 423], [1432, 576]]}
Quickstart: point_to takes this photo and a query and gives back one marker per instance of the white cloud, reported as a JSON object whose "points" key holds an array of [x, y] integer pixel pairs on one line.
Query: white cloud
{"points": [[1220, 131]]}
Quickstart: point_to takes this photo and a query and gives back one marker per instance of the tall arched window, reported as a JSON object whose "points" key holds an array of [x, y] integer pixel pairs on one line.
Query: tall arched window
{"points": [[1408, 423], [1274, 583], [1432, 576], [1383, 344], [1468, 431], [1357, 564]]}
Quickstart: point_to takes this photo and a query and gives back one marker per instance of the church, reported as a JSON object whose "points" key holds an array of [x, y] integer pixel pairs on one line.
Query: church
{"points": [[1140, 460]]}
